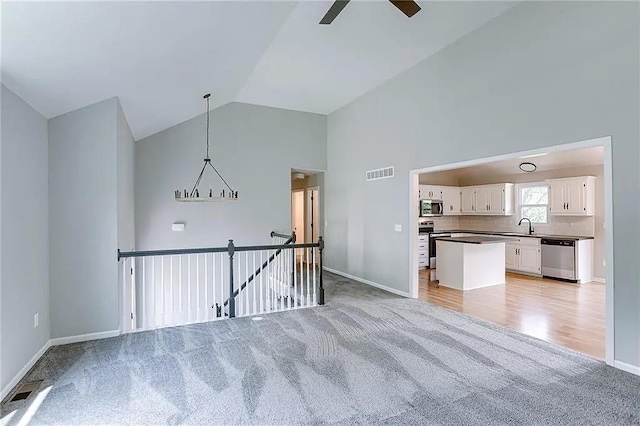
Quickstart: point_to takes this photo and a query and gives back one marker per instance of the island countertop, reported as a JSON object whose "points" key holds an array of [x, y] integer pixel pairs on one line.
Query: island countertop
{"points": [[475, 239], [517, 234]]}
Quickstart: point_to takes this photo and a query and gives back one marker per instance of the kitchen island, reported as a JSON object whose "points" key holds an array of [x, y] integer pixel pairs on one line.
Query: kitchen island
{"points": [[465, 263]]}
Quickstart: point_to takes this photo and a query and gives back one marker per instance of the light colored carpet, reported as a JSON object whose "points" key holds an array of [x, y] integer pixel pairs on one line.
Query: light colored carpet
{"points": [[367, 357]]}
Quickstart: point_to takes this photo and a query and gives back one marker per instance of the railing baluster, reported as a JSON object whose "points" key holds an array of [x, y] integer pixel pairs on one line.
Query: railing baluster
{"points": [[134, 311], [313, 251], [206, 286], [188, 288], [144, 300], [180, 283], [295, 277], [288, 278], [162, 293], [261, 290], [124, 292], [255, 305], [321, 284], [197, 287], [281, 282], [308, 276], [214, 290], [153, 287], [274, 283], [246, 278], [222, 283], [171, 302]]}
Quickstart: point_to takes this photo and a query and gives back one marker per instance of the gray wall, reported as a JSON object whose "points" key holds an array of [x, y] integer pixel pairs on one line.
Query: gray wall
{"points": [[25, 235], [542, 74], [83, 206], [126, 164], [253, 147]]}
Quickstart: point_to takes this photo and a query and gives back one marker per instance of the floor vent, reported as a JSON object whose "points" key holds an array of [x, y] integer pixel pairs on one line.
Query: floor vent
{"points": [[383, 173], [25, 390]]}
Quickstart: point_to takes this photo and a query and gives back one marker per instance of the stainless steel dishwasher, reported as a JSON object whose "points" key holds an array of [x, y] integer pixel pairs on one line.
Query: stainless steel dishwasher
{"points": [[559, 259]]}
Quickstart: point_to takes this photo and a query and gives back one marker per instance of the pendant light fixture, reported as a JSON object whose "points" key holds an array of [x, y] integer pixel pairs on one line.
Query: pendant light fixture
{"points": [[227, 194]]}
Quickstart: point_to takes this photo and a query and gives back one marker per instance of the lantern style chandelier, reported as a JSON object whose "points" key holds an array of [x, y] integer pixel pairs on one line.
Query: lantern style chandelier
{"points": [[227, 194]]}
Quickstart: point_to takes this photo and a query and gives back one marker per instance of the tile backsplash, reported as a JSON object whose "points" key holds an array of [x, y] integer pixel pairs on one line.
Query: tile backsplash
{"points": [[582, 226]]}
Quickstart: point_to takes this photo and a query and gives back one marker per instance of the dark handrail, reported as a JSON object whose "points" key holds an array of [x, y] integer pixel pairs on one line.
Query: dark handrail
{"points": [[276, 234], [147, 253]]}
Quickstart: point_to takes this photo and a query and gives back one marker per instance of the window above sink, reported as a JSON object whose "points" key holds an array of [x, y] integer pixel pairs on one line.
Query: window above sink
{"points": [[533, 201]]}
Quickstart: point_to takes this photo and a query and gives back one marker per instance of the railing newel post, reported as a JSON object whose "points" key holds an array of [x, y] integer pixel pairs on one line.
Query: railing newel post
{"points": [[232, 305], [321, 284]]}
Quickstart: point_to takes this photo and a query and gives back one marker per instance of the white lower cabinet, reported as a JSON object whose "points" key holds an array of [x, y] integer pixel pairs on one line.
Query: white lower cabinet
{"points": [[423, 251], [523, 256], [529, 259], [511, 256]]}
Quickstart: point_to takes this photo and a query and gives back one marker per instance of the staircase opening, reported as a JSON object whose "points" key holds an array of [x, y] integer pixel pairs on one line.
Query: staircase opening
{"points": [[164, 288]]}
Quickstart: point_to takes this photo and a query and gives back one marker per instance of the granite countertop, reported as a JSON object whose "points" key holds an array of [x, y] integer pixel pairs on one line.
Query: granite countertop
{"points": [[477, 239], [516, 234]]}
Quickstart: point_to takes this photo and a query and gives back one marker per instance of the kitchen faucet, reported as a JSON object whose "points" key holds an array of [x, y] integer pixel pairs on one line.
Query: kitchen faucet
{"points": [[529, 220]]}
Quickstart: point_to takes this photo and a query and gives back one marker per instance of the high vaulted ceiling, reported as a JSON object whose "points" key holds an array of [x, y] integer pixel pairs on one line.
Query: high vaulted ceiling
{"points": [[159, 58]]}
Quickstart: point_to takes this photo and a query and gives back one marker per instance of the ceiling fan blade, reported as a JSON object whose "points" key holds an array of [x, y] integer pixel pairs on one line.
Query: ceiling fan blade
{"points": [[333, 11], [408, 7]]}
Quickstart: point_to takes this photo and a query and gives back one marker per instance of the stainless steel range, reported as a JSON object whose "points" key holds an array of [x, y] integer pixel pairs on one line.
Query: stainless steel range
{"points": [[427, 228]]}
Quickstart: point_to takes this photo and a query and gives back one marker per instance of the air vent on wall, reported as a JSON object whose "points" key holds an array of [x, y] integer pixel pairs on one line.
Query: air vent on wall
{"points": [[384, 173]]}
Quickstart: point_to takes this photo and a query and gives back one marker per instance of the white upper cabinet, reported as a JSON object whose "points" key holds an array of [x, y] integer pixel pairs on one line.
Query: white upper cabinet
{"points": [[494, 200], [483, 200], [468, 200], [572, 196], [430, 192], [451, 200]]}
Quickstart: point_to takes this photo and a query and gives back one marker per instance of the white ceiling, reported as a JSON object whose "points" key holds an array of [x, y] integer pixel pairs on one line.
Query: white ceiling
{"points": [[320, 68], [509, 168], [159, 58]]}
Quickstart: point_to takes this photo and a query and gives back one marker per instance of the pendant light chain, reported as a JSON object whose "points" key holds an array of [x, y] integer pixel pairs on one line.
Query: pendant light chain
{"points": [[207, 97]]}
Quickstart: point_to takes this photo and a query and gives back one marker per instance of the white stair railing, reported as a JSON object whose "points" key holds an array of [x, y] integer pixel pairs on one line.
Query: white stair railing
{"points": [[164, 288]]}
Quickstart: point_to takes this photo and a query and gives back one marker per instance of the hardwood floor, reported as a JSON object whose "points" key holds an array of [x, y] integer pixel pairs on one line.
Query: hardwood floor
{"points": [[571, 315]]}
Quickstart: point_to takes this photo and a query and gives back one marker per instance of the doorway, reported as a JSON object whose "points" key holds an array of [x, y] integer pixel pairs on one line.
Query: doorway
{"points": [[306, 209], [518, 280], [298, 217]]}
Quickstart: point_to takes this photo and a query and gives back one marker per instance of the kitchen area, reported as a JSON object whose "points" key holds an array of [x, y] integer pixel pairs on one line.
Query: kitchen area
{"points": [[519, 243]]}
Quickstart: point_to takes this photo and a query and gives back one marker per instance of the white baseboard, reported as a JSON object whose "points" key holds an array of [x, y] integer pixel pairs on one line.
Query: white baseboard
{"points": [[371, 283], [9, 387], [598, 280], [84, 337], [633, 369]]}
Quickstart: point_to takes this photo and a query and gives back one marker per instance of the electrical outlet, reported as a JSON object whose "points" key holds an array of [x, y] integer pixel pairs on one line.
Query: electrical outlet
{"points": [[397, 228], [604, 262], [36, 319]]}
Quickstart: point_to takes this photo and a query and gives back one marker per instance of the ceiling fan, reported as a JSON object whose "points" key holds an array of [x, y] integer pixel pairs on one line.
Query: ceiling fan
{"points": [[408, 7]]}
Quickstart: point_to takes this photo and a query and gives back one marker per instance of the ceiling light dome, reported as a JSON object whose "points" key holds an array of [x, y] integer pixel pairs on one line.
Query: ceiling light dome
{"points": [[528, 167]]}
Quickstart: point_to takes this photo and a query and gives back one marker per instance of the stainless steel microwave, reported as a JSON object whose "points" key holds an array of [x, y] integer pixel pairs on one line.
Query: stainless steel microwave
{"points": [[430, 208]]}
